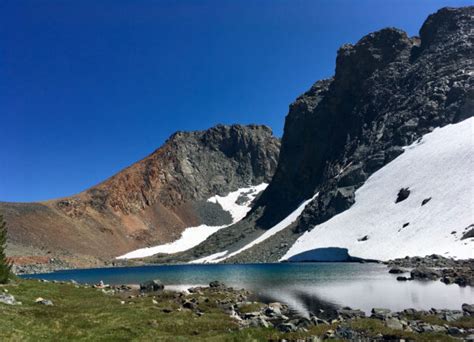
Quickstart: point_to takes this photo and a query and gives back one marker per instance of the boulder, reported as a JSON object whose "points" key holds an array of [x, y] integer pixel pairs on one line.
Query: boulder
{"points": [[43, 301], [468, 309], [350, 313], [287, 327], [452, 315], [453, 331], [152, 286], [381, 313], [425, 273], [216, 284], [394, 323], [397, 270], [8, 299]]}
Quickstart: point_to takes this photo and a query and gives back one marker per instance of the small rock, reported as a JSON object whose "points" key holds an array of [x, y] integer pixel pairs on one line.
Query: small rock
{"points": [[426, 200], [402, 194], [43, 301]]}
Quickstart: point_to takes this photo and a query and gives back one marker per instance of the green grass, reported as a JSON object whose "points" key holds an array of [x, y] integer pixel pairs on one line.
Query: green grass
{"points": [[252, 307], [90, 315], [372, 327]]}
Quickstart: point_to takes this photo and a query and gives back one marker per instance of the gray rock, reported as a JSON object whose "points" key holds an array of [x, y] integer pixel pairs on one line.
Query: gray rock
{"points": [[424, 273], [8, 299], [189, 305], [152, 286], [439, 328], [317, 321], [394, 323], [216, 284], [346, 333], [454, 331], [287, 327], [381, 313], [350, 313], [469, 338], [468, 309], [452, 315], [42, 301], [397, 270]]}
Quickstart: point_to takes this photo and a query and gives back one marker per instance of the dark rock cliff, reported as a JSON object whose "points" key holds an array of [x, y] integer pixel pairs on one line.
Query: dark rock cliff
{"points": [[388, 90]]}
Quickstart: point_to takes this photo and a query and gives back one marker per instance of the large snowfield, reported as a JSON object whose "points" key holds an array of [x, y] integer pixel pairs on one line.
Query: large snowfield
{"points": [[440, 167], [193, 236]]}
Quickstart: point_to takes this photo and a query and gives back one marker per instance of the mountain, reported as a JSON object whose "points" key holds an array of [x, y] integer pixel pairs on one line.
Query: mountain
{"points": [[389, 91], [149, 203]]}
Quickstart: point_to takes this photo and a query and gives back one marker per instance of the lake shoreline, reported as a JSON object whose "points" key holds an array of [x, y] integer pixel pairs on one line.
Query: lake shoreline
{"points": [[271, 321]]}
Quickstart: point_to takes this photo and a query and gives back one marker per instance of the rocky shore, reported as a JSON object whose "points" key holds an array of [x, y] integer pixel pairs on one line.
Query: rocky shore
{"points": [[287, 325], [434, 267]]}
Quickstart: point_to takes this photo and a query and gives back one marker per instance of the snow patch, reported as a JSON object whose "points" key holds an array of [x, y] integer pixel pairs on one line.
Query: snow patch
{"points": [[439, 166], [228, 203], [209, 258], [193, 236]]}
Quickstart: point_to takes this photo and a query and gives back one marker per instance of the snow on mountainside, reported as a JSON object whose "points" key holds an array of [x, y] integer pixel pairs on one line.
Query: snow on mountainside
{"points": [[221, 256], [237, 203], [438, 172]]}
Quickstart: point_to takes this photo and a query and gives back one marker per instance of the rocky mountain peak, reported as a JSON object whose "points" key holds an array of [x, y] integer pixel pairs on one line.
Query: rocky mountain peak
{"points": [[373, 52], [193, 166], [440, 27]]}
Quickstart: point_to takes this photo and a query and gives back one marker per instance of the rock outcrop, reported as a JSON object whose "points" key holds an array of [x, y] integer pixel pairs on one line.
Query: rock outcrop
{"points": [[388, 90], [150, 202]]}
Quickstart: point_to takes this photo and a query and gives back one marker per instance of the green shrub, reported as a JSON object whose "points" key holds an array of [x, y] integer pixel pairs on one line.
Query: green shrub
{"points": [[5, 265]]}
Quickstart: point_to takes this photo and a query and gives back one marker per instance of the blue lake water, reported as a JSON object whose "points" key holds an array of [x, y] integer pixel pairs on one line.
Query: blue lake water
{"points": [[306, 287]]}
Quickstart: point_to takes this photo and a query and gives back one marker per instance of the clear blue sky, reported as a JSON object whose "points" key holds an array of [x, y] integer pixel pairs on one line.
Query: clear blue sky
{"points": [[89, 87]]}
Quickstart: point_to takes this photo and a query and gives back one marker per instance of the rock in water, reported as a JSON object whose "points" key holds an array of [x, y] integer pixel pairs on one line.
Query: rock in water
{"points": [[424, 273], [397, 270]]}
